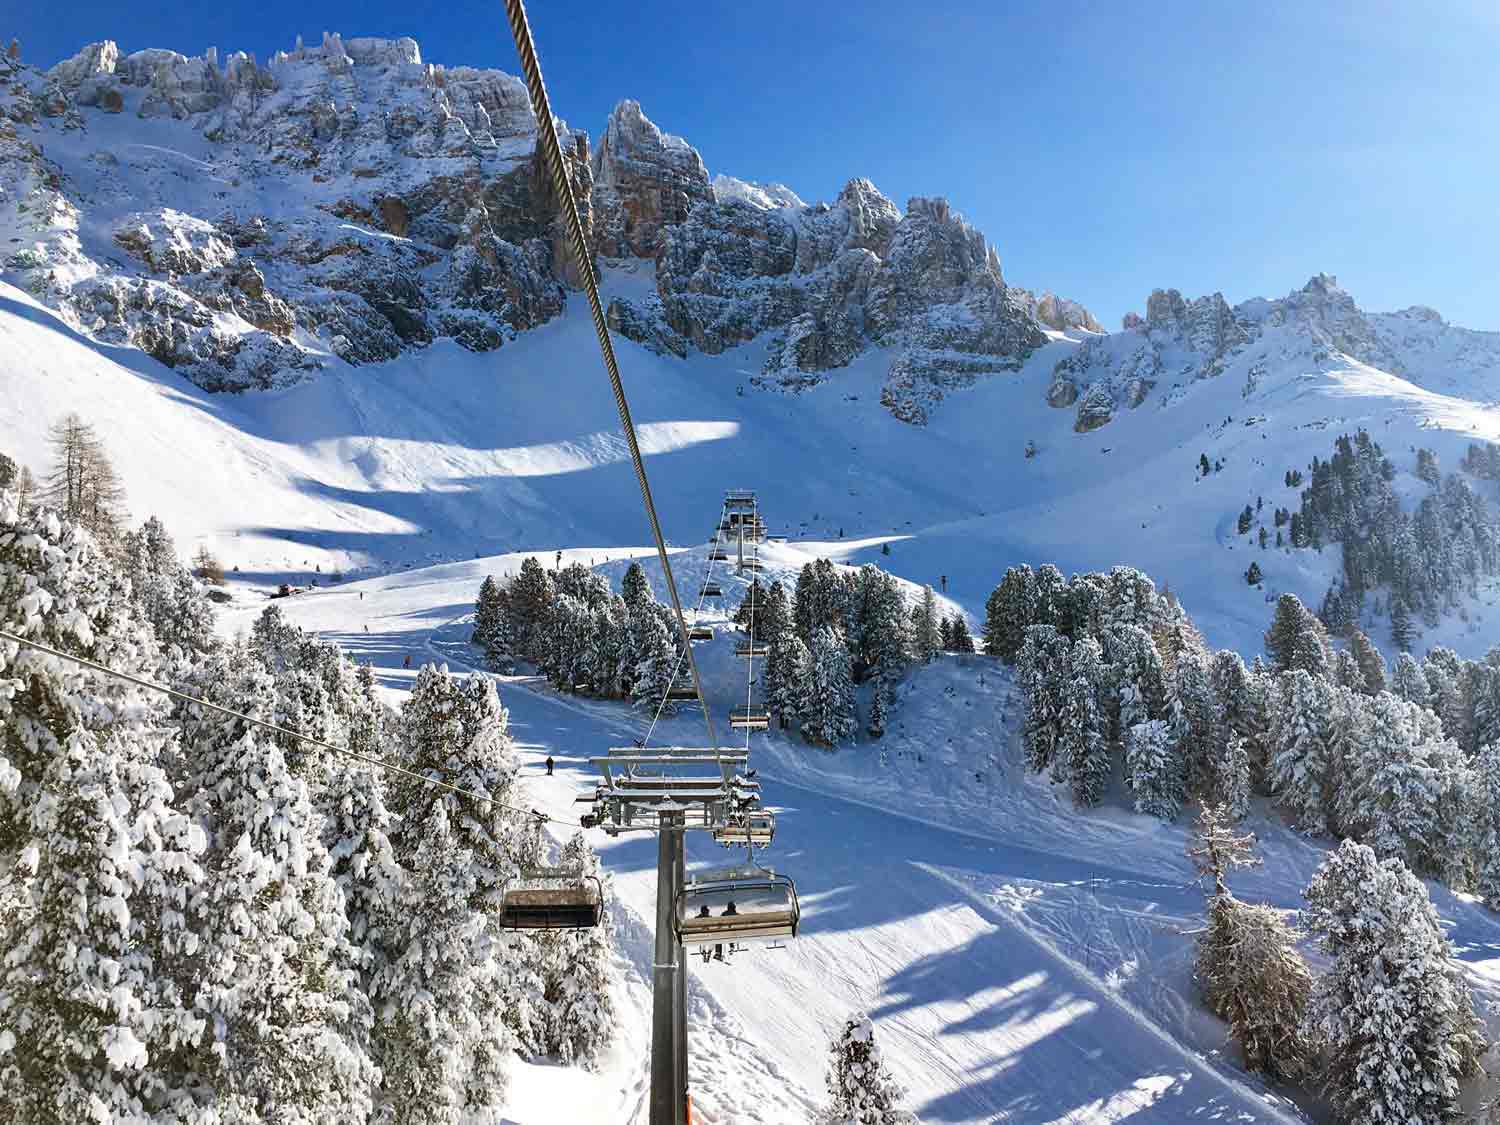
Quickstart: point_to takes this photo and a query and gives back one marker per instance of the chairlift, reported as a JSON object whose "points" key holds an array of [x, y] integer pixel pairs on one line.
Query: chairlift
{"points": [[718, 554], [756, 829], [749, 718], [735, 905], [700, 633], [711, 590], [682, 692], [752, 648], [552, 898]]}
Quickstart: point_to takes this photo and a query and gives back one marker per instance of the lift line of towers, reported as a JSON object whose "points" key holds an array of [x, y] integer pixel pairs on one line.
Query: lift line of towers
{"points": [[671, 791]]}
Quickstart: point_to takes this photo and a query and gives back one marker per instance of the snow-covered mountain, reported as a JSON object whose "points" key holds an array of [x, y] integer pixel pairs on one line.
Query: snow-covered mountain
{"points": [[362, 244]]}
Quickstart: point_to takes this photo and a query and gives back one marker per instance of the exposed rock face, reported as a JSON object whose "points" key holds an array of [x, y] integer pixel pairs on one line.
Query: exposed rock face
{"points": [[768, 197], [418, 206], [412, 204], [828, 281], [1096, 408], [644, 181], [1061, 314], [1329, 315]]}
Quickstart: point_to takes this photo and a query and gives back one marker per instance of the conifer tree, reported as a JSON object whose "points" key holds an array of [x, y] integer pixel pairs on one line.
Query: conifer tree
{"points": [[963, 641], [581, 977], [927, 640], [1248, 967], [93, 1009], [1042, 671], [1154, 768], [1010, 610], [1371, 665], [828, 712], [945, 633], [860, 1090], [1082, 755], [1300, 761], [1392, 1013], [787, 679], [656, 662], [489, 613], [271, 919], [83, 485], [1408, 682], [1487, 826], [1402, 633], [529, 598], [636, 588]]}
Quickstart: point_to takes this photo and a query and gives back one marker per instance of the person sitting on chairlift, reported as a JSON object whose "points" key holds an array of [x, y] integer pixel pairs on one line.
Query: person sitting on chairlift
{"points": [[703, 911], [730, 911]]}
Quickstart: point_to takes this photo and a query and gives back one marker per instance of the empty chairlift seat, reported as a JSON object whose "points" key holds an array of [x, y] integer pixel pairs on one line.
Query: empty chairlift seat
{"points": [[756, 649], [711, 590], [552, 898], [700, 633], [718, 554], [682, 692], [737, 904], [757, 828], [749, 718]]}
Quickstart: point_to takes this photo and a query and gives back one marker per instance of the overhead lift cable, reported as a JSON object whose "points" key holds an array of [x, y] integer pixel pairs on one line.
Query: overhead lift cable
{"points": [[562, 187]]}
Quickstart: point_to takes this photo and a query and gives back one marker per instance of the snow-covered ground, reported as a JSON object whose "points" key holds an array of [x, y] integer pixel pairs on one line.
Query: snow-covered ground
{"points": [[1022, 962]]}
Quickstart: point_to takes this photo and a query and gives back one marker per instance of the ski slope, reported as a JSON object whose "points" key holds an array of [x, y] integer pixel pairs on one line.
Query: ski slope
{"points": [[1002, 990]]}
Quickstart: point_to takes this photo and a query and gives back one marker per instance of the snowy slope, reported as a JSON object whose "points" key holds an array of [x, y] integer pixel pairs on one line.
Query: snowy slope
{"points": [[446, 454], [1024, 963]]}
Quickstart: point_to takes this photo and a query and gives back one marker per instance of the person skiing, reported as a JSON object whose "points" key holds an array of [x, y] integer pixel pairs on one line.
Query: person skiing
{"points": [[406, 663], [549, 765]]}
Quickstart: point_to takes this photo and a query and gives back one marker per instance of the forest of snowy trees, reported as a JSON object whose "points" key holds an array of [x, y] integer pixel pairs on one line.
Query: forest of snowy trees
{"points": [[205, 920], [1401, 759], [837, 629], [1411, 567]]}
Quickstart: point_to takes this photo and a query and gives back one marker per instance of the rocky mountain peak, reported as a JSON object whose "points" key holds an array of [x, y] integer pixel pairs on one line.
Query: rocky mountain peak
{"points": [[767, 197], [644, 180]]}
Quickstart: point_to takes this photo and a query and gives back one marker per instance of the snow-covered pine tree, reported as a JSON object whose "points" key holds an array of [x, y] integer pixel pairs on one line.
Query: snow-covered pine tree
{"points": [[860, 1090], [271, 919], [963, 641], [529, 598], [1082, 751], [1248, 967], [828, 712], [1408, 682], [93, 1016], [775, 618], [1299, 759], [1345, 670], [1371, 665], [752, 605], [442, 1045], [1042, 670], [455, 730], [581, 979], [926, 626], [1197, 718], [489, 613], [787, 680], [885, 642], [1296, 638], [1486, 845], [1403, 633], [1010, 610], [655, 664], [170, 598], [1136, 675], [945, 633], [1154, 769], [1241, 706], [1392, 1014], [636, 588]]}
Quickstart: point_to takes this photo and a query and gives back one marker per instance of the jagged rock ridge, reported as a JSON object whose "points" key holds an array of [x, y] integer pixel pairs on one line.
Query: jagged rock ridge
{"points": [[349, 199]]}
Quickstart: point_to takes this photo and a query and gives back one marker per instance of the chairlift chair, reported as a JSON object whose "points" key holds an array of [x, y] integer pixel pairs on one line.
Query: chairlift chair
{"points": [[736, 905], [682, 692], [718, 554], [711, 590], [757, 829], [552, 898], [700, 633], [749, 718], [752, 648]]}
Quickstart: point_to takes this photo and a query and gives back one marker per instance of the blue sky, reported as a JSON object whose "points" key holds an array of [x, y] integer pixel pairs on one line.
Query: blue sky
{"points": [[1104, 148]]}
